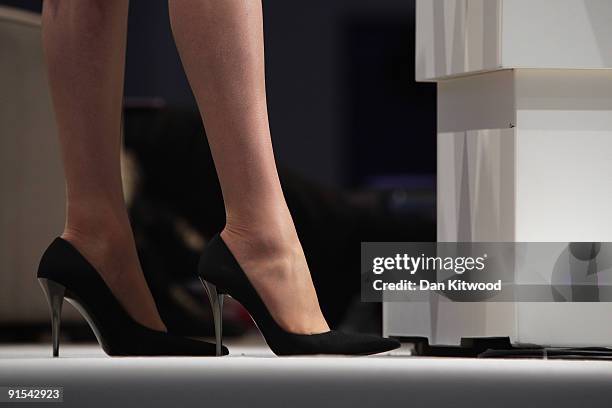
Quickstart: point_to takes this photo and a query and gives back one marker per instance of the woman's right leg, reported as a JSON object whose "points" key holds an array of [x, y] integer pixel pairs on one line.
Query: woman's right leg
{"points": [[84, 43], [221, 45]]}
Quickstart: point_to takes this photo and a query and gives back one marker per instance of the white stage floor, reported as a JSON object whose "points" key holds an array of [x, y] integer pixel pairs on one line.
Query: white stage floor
{"points": [[253, 377]]}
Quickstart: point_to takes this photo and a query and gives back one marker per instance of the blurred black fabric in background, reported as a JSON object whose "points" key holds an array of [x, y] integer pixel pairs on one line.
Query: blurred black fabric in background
{"points": [[177, 200]]}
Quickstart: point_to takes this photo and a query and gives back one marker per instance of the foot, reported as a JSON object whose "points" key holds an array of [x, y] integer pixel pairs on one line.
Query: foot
{"points": [[113, 255], [276, 266]]}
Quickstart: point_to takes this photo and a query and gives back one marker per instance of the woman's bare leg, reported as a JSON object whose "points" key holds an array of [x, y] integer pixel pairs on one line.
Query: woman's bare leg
{"points": [[221, 46], [84, 42]]}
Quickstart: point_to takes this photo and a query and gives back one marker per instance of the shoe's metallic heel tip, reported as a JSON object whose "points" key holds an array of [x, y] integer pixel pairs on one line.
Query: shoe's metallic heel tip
{"points": [[216, 303], [54, 292]]}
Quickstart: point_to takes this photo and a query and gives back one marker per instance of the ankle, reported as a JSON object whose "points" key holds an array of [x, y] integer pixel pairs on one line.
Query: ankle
{"points": [[100, 237], [98, 223], [104, 240], [266, 240]]}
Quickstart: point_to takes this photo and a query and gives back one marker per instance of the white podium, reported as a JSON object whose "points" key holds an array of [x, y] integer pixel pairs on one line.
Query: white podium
{"points": [[524, 151]]}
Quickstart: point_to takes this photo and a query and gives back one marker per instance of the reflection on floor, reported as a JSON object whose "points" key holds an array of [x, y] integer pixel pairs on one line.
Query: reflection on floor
{"points": [[252, 376]]}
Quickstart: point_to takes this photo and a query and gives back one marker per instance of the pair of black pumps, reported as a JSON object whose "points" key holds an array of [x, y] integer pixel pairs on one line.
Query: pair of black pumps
{"points": [[65, 274]]}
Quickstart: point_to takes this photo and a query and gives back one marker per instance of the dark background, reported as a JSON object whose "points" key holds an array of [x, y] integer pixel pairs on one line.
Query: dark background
{"points": [[344, 108]]}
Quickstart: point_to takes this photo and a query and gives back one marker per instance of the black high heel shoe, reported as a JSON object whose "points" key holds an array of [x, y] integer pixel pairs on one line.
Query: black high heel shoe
{"points": [[220, 273], [65, 274]]}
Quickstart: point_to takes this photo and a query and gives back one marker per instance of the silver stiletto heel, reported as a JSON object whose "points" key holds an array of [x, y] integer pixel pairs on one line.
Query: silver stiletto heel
{"points": [[216, 302], [54, 293]]}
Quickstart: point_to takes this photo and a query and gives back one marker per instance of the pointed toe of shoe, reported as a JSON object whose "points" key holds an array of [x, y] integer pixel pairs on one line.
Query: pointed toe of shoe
{"points": [[365, 344], [387, 344], [337, 343], [224, 351]]}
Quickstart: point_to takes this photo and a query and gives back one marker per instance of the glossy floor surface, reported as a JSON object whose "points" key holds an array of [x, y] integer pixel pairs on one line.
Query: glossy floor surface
{"points": [[251, 376]]}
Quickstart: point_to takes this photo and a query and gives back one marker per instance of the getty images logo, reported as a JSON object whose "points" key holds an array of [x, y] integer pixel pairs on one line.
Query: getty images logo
{"points": [[412, 265]]}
